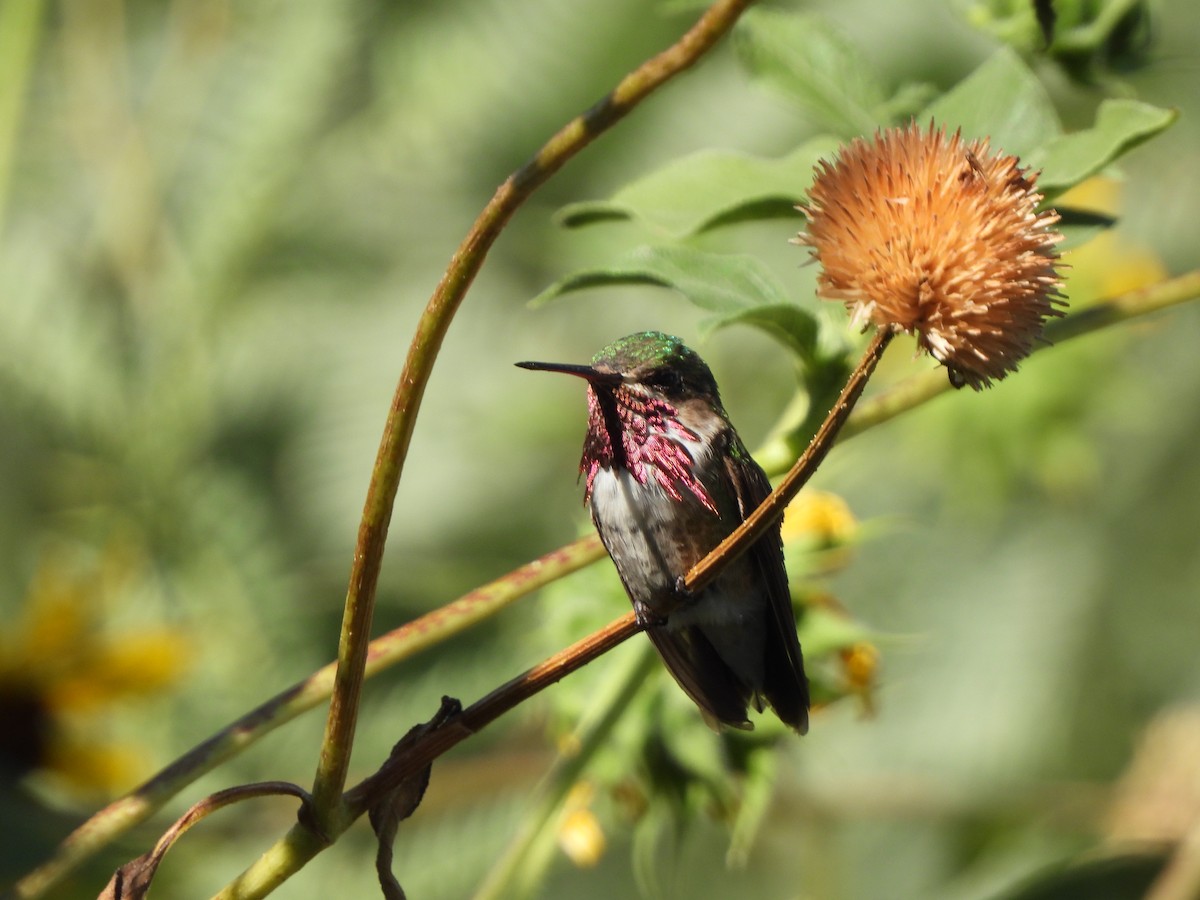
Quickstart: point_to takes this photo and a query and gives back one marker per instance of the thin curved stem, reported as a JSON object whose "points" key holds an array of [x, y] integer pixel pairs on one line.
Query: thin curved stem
{"points": [[336, 746], [134, 878]]}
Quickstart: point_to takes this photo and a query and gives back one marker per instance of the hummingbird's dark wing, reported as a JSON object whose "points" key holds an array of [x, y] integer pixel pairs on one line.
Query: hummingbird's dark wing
{"points": [[702, 673], [687, 651], [784, 686]]}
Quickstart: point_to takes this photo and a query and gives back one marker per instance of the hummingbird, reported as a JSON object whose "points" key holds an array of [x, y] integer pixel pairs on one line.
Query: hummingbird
{"points": [[667, 479]]}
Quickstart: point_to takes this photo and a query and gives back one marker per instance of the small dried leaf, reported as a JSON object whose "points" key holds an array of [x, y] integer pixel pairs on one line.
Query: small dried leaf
{"points": [[132, 880], [389, 810]]}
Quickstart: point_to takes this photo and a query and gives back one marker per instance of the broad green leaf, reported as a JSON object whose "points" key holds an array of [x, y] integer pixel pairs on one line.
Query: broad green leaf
{"points": [[1120, 126], [1002, 100], [807, 59], [793, 326], [822, 367], [908, 100], [704, 189], [717, 282]]}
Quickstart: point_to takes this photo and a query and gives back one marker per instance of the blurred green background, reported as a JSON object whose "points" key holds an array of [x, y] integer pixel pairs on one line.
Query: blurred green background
{"points": [[219, 224]]}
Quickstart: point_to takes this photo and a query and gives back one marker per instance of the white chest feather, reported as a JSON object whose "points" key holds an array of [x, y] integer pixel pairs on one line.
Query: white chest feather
{"points": [[654, 539]]}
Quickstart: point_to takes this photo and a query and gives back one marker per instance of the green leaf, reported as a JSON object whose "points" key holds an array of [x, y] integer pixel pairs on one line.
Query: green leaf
{"points": [[1108, 878], [758, 796], [697, 753], [704, 189], [655, 849], [908, 100], [793, 326], [1120, 126], [823, 632], [717, 282], [809, 61], [822, 363], [1003, 100], [1078, 226]]}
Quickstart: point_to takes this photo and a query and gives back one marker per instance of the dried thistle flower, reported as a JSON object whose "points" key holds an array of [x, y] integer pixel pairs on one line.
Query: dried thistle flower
{"points": [[921, 232]]}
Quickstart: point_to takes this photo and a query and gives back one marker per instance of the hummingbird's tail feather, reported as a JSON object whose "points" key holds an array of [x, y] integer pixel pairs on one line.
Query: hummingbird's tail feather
{"points": [[784, 684], [704, 676]]}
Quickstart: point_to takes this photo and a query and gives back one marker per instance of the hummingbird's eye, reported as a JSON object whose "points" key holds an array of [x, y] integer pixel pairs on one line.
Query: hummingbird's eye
{"points": [[666, 380]]}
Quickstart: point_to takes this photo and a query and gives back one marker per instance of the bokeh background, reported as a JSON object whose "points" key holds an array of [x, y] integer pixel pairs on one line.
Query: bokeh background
{"points": [[218, 225]]}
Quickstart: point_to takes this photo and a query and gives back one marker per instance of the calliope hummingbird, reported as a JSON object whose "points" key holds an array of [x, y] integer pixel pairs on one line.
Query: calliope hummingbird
{"points": [[667, 478]]}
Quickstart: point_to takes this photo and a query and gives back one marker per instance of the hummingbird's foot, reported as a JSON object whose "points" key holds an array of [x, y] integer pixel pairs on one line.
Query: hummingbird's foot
{"points": [[682, 593], [646, 617]]}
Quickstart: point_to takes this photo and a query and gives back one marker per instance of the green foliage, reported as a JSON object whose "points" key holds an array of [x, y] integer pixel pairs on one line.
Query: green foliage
{"points": [[1001, 100], [707, 189], [714, 282], [1120, 126], [1093, 40], [807, 60]]}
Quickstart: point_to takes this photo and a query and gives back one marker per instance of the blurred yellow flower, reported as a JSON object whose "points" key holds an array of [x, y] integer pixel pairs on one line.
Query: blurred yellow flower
{"points": [[820, 518], [579, 834], [860, 663], [1111, 263], [818, 532], [60, 672]]}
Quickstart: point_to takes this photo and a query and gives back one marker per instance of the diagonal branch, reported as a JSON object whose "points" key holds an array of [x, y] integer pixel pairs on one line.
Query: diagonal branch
{"points": [[301, 844]]}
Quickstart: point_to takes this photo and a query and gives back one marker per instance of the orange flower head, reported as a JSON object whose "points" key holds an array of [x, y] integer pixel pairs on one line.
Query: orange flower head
{"points": [[920, 232]]}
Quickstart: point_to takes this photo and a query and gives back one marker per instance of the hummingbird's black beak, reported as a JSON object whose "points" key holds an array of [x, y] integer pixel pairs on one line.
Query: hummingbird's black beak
{"points": [[595, 376]]}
